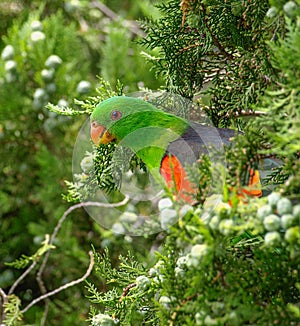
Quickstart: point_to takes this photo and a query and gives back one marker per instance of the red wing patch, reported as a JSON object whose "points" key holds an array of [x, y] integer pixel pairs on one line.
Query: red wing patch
{"points": [[176, 178], [254, 186]]}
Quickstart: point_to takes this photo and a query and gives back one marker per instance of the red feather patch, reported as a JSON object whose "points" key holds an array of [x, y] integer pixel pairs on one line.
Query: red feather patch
{"points": [[254, 186], [176, 178]]}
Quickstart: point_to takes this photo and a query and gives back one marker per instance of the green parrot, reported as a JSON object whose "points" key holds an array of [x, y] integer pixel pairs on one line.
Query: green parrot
{"points": [[165, 142]]}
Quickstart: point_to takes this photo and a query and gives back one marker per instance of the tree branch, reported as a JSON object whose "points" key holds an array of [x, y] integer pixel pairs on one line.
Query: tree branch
{"points": [[39, 279], [61, 220], [23, 275], [131, 25], [3, 295], [2, 305], [39, 275], [126, 290], [215, 40], [63, 287]]}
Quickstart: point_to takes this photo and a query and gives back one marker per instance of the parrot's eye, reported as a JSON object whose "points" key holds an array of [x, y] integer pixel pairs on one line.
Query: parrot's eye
{"points": [[94, 124], [116, 115]]}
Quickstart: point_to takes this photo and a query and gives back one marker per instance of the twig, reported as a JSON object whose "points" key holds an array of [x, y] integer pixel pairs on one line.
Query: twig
{"points": [[183, 302], [54, 234], [2, 312], [63, 287], [215, 40], [23, 275], [84, 204], [39, 278], [45, 314], [43, 290], [184, 7], [244, 113], [42, 287], [105, 10], [187, 48], [132, 25], [126, 290], [3, 295], [61, 220]]}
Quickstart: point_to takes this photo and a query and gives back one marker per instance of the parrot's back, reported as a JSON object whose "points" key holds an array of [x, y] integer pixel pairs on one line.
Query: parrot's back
{"points": [[197, 140]]}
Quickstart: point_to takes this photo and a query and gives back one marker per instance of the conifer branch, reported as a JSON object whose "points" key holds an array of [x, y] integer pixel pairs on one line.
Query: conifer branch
{"points": [[214, 38], [126, 290], [183, 302]]}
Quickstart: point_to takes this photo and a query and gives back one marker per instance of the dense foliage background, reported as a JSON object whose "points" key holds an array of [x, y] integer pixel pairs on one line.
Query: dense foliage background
{"points": [[87, 39], [237, 264]]}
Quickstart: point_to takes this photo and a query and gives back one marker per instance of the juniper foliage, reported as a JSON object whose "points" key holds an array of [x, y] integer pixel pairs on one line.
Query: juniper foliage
{"points": [[222, 264], [217, 48]]}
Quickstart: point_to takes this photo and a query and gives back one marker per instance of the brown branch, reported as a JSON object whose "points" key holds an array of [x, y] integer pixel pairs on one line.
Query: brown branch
{"points": [[22, 276], [131, 25], [216, 278], [190, 47], [45, 315], [66, 213], [39, 279], [39, 275], [3, 295], [215, 40], [105, 10], [126, 290], [183, 302], [4, 301], [63, 287]]}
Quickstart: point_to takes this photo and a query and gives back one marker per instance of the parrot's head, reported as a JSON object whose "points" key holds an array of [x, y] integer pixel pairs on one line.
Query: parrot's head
{"points": [[116, 117]]}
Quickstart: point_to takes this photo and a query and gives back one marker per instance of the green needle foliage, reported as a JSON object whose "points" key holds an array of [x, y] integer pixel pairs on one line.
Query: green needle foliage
{"points": [[224, 264], [216, 44], [283, 107], [52, 51], [226, 260], [226, 267]]}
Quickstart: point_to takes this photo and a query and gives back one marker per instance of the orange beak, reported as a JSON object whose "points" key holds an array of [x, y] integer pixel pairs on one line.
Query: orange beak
{"points": [[100, 135]]}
